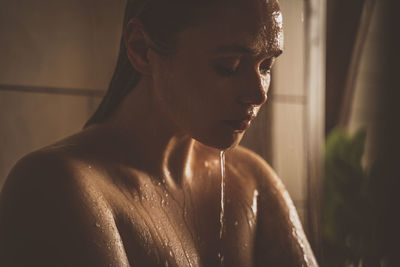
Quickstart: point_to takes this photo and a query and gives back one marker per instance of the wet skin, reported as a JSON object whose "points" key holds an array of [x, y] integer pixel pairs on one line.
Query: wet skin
{"points": [[144, 187]]}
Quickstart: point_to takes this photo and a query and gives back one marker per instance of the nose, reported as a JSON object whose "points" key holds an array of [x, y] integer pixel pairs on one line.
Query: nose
{"points": [[255, 90]]}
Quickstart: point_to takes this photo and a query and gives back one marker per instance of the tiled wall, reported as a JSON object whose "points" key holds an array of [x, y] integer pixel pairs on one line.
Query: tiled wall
{"points": [[289, 106], [59, 43], [56, 60]]}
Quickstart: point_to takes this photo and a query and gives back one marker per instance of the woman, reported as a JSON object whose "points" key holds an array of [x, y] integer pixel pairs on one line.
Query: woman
{"points": [[145, 183]]}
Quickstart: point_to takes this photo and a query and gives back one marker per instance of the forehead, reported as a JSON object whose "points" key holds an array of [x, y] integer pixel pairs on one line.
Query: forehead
{"points": [[255, 24]]}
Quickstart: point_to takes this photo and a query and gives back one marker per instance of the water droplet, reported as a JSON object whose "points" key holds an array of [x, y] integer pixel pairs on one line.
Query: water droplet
{"points": [[254, 204], [97, 225], [236, 223], [221, 258], [90, 167], [170, 253]]}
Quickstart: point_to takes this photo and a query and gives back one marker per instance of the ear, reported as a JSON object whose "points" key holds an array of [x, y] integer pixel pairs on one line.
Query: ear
{"points": [[137, 45]]}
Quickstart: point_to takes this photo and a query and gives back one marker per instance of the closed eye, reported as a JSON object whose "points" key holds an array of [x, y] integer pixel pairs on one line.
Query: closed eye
{"points": [[227, 66], [226, 71]]}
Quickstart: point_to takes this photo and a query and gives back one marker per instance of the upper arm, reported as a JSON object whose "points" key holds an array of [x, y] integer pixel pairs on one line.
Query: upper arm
{"points": [[48, 217], [280, 239]]}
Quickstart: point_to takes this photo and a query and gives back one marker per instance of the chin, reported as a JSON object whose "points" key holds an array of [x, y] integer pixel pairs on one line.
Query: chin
{"points": [[222, 142]]}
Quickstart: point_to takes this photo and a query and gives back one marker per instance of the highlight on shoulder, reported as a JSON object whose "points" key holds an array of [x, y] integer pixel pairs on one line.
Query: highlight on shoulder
{"points": [[253, 164]]}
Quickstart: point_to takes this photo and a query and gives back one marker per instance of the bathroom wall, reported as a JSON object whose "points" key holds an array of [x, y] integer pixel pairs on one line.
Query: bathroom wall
{"points": [[288, 98], [56, 58]]}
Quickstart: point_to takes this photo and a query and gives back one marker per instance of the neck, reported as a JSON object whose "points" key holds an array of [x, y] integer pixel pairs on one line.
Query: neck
{"points": [[149, 138]]}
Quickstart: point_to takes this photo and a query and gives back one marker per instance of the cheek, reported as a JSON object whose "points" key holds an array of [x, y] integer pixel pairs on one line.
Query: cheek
{"points": [[192, 93], [198, 88], [183, 95]]}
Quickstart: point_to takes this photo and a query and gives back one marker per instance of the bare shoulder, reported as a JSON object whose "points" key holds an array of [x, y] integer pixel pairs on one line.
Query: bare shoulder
{"points": [[40, 166], [255, 167], [49, 171], [273, 194], [53, 215], [280, 239], [41, 173]]}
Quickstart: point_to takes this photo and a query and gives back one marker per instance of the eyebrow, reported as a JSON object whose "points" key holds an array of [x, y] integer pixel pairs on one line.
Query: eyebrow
{"points": [[239, 49]]}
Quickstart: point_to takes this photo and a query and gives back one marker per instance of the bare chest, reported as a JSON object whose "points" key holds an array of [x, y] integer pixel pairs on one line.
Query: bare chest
{"points": [[198, 227]]}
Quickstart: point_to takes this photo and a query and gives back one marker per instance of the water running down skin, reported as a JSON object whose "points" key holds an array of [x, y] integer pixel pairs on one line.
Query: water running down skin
{"points": [[143, 188], [222, 213]]}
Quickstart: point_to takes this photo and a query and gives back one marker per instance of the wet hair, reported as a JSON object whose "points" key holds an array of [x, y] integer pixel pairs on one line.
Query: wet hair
{"points": [[163, 20]]}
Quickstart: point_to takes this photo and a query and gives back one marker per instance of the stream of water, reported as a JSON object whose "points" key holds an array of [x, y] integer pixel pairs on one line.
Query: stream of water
{"points": [[222, 212]]}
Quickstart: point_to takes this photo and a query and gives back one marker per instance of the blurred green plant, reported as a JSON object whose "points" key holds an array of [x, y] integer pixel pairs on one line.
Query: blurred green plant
{"points": [[352, 205]]}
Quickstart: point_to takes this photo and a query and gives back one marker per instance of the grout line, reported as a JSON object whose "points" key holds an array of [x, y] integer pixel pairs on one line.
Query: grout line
{"points": [[52, 90], [292, 99]]}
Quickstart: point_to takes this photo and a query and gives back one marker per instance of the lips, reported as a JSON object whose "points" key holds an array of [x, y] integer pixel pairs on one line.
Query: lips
{"points": [[243, 123]]}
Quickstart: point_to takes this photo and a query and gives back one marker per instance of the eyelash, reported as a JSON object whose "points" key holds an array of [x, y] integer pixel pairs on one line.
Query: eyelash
{"points": [[226, 71], [264, 69]]}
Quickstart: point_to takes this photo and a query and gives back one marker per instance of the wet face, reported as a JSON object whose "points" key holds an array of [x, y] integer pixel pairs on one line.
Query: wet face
{"points": [[215, 83]]}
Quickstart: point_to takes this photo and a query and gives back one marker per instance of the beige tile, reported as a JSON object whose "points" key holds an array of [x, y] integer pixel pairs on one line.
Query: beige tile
{"points": [[258, 136], [288, 73], [289, 157], [31, 120], [302, 213], [301, 209], [65, 43]]}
